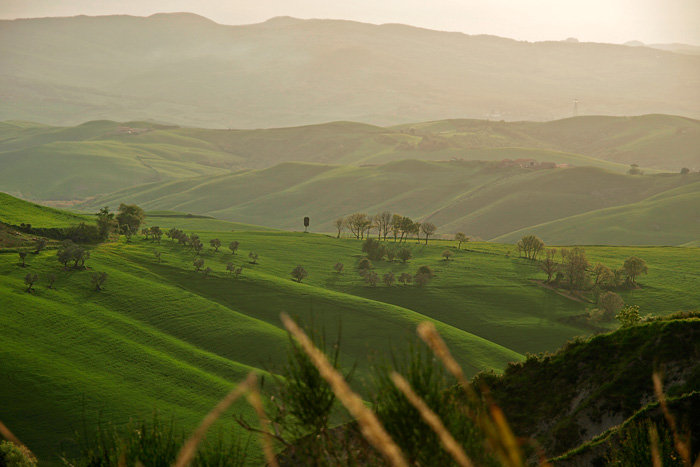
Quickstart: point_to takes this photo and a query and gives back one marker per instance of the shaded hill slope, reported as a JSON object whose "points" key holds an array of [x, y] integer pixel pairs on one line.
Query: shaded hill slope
{"points": [[482, 199], [598, 383], [73, 163]]}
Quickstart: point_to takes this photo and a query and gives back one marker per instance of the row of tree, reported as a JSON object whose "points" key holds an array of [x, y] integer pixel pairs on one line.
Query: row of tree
{"points": [[385, 224]]}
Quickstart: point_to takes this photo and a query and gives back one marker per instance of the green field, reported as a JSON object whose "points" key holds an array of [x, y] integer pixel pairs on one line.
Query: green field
{"points": [[161, 336]]}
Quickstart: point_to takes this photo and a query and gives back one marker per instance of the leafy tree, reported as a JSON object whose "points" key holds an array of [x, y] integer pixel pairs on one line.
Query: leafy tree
{"points": [[357, 223], [156, 253], [602, 275], [531, 245], [207, 271], [372, 278], [421, 279], [574, 268], [415, 230], [374, 249], [237, 272], [404, 254], [29, 281], [446, 254], [389, 279], [146, 232], [198, 264], [629, 316], [98, 279], [364, 264], [406, 227], [390, 254], [338, 267], [395, 225], [253, 257], [216, 244], [426, 270], [230, 267], [129, 218], [196, 244], [383, 220], [549, 265], [39, 244], [634, 267], [233, 246], [405, 278], [23, 257], [51, 278], [339, 225], [428, 229], [634, 170], [64, 253], [156, 233], [299, 273], [106, 224], [685, 170], [610, 303], [461, 238]]}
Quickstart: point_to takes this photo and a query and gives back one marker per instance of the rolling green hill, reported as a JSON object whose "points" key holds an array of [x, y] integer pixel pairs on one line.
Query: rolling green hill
{"points": [[69, 164], [483, 199], [162, 336], [289, 71]]}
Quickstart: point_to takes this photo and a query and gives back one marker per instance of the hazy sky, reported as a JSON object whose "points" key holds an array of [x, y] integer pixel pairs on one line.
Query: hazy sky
{"points": [[616, 21]]}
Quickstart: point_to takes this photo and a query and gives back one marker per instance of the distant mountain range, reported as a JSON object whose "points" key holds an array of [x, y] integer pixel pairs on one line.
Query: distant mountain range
{"points": [[188, 70]]}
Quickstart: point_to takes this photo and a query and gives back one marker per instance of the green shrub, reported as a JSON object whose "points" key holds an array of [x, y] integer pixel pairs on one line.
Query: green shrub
{"points": [[12, 455]]}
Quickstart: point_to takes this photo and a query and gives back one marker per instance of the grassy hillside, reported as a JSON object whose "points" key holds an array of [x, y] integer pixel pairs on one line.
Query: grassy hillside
{"points": [[287, 71], [162, 336], [15, 211], [72, 163], [669, 218], [485, 200]]}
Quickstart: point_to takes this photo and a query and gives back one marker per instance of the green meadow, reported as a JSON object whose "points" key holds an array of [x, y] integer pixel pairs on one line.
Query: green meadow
{"points": [[161, 336]]}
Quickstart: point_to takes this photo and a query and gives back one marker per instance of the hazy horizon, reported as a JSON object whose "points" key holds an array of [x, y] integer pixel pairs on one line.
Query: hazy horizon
{"points": [[618, 21]]}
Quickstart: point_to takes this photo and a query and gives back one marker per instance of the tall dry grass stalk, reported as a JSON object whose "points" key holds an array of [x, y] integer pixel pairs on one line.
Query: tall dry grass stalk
{"points": [[256, 401], [682, 446], [448, 442], [189, 449], [654, 442], [494, 425], [370, 425], [8, 435]]}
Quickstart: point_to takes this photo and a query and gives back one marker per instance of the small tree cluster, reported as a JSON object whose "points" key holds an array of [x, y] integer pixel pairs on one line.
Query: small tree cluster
{"points": [[129, 218], [152, 233], [531, 246], [69, 251]]}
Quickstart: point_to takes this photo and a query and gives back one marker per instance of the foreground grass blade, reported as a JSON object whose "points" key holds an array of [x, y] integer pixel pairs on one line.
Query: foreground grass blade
{"points": [[189, 449], [256, 401], [370, 426], [431, 418]]}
